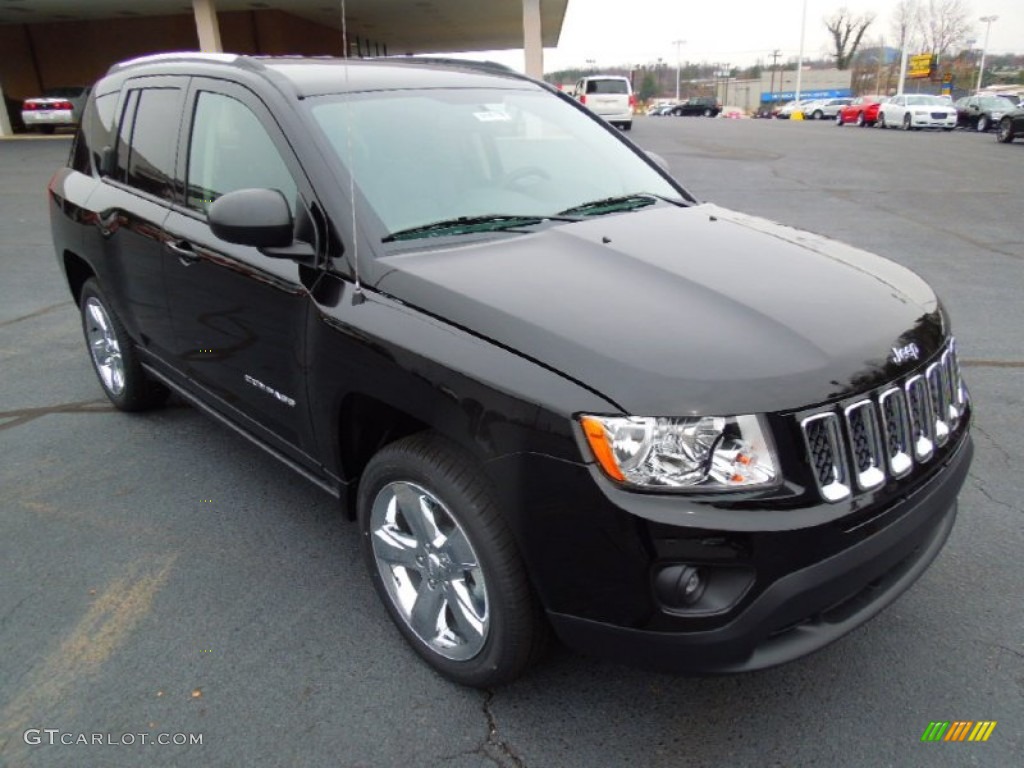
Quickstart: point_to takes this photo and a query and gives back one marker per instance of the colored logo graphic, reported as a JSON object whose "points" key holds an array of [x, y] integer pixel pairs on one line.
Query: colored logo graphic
{"points": [[958, 730]]}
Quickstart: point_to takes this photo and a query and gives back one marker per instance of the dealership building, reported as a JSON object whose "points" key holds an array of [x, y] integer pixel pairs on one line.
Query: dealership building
{"points": [[55, 43]]}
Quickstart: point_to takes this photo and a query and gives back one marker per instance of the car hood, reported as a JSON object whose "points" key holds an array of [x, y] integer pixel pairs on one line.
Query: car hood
{"points": [[674, 311]]}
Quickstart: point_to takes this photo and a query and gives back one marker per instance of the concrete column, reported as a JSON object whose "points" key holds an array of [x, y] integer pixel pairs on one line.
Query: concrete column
{"points": [[532, 39], [5, 120], [207, 26]]}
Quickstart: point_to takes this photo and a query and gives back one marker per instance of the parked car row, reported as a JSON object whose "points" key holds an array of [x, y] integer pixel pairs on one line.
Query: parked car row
{"points": [[814, 109], [705, 106], [912, 111]]}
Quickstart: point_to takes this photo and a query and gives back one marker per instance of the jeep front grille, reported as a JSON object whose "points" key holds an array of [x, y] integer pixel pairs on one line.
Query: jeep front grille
{"points": [[862, 444]]}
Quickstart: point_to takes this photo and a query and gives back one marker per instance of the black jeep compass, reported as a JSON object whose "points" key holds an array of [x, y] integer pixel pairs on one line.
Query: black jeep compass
{"points": [[556, 392]]}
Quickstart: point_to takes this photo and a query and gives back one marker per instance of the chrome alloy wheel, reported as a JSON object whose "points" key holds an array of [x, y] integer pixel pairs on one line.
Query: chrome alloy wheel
{"points": [[103, 346], [430, 570]]}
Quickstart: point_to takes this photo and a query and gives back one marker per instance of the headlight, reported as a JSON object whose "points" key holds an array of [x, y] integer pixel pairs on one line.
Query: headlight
{"points": [[702, 452]]}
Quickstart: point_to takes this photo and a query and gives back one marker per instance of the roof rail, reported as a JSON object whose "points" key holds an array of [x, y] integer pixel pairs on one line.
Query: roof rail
{"points": [[156, 58]]}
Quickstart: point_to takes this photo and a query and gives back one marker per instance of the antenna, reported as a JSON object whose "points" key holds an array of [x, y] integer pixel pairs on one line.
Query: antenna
{"points": [[357, 296]]}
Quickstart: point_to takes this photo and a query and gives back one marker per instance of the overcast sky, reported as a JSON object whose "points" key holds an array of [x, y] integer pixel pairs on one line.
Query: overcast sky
{"points": [[737, 32]]}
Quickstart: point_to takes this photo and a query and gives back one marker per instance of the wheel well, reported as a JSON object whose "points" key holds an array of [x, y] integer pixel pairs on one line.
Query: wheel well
{"points": [[77, 272], [365, 426]]}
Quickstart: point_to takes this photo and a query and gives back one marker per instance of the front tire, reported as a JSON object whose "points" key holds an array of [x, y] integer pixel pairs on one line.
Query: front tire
{"points": [[1005, 132], [906, 122], [709, 113], [445, 563], [113, 355], [817, 114], [880, 122]]}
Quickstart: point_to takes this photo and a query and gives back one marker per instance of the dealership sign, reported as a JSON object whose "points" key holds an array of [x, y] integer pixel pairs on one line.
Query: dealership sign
{"points": [[830, 93], [921, 65]]}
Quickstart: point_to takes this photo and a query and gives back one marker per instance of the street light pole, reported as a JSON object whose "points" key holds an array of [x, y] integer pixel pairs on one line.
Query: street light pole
{"points": [[988, 26], [678, 44], [800, 58]]}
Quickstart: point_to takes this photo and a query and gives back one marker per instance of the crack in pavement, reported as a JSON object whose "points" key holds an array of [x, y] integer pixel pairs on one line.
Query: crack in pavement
{"points": [[25, 415], [973, 363], [984, 492], [499, 744], [1009, 459], [492, 748], [30, 315]]}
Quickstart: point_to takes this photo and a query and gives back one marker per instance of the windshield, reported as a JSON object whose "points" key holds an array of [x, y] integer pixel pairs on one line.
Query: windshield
{"points": [[425, 156], [994, 102]]}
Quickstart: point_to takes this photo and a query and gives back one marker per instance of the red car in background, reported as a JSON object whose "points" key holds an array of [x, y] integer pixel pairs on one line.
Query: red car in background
{"points": [[862, 111]]}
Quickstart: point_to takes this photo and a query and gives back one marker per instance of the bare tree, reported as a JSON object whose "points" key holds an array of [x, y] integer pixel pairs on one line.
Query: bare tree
{"points": [[905, 23], [847, 31], [944, 24]]}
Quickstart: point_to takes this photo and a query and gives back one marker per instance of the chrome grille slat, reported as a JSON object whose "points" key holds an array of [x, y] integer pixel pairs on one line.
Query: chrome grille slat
{"points": [[825, 447], [937, 399], [896, 426], [919, 406], [865, 445], [884, 434]]}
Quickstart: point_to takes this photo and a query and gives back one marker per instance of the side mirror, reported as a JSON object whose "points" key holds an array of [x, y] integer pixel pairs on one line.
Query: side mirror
{"points": [[659, 161], [257, 217]]}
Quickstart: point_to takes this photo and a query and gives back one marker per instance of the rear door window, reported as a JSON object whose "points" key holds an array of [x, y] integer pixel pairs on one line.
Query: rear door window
{"points": [[147, 140]]}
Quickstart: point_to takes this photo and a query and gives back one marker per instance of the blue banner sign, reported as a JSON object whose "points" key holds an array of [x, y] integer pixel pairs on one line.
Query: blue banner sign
{"points": [[832, 93]]}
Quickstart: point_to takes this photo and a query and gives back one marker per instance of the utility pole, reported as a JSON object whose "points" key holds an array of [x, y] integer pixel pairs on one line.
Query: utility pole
{"points": [[678, 44], [771, 90], [988, 27], [800, 58]]}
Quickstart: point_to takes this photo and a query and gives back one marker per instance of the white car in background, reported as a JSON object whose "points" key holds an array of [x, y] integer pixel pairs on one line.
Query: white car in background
{"points": [[917, 110], [609, 96], [826, 109]]}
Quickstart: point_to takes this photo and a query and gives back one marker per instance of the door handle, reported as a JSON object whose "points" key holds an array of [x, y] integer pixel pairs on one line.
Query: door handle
{"points": [[183, 250]]}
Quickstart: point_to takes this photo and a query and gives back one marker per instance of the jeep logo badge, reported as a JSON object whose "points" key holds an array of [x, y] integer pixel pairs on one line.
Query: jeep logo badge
{"points": [[907, 352]]}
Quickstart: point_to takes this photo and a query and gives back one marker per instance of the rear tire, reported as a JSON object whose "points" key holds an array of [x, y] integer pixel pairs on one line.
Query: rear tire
{"points": [[709, 113], [113, 355], [860, 123], [983, 124], [817, 115], [445, 563]]}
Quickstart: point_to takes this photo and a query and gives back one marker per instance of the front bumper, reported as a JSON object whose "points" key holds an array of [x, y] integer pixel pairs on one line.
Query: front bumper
{"points": [[594, 558], [927, 121], [805, 610]]}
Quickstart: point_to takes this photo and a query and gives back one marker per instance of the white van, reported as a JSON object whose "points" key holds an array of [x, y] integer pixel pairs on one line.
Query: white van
{"points": [[609, 96]]}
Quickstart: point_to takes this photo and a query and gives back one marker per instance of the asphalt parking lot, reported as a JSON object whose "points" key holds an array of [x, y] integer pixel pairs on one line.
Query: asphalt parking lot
{"points": [[161, 576]]}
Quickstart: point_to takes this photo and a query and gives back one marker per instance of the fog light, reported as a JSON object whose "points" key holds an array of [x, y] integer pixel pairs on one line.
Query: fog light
{"points": [[680, 585]]}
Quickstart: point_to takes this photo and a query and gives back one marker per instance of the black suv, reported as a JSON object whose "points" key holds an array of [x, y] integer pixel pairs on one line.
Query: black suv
{"points": [[411, 282], [698, 105]]}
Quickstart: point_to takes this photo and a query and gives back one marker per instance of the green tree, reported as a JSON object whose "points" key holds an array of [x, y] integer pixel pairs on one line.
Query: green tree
{"points": [[648, 87]]}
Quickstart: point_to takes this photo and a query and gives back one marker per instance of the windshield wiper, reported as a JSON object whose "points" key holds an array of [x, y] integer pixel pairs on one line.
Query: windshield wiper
{"points": [[464, 225], [617, 203]]}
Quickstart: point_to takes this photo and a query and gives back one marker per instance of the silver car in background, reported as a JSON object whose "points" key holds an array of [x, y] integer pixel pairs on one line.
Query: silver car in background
{"points": [[57, 107]]}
